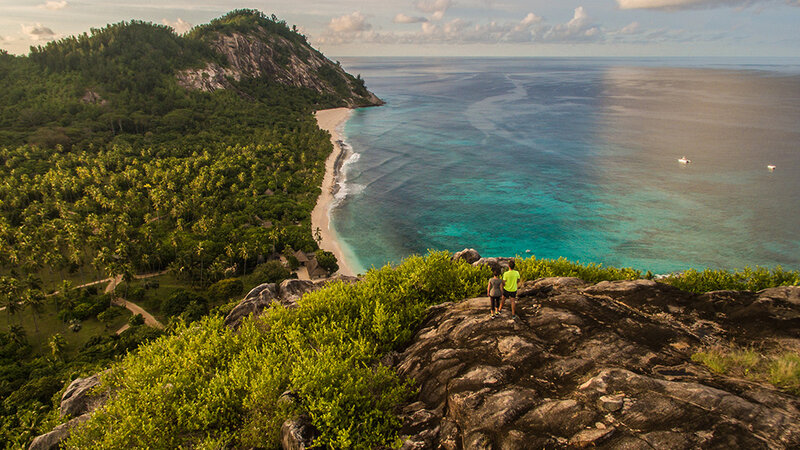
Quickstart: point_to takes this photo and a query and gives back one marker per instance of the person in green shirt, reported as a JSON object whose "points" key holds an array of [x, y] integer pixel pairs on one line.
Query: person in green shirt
{"points": [[510, 279]]}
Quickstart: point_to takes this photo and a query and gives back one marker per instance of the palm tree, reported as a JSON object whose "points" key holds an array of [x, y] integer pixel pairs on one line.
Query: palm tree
{"points": [[35, 299], [57, 344]]}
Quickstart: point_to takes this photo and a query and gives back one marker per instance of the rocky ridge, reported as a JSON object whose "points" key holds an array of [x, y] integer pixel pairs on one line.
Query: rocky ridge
{"points": [[605, 365]]}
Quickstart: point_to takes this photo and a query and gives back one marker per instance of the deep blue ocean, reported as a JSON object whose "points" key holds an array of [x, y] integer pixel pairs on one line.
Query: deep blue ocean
{"points": [[577, 158]]}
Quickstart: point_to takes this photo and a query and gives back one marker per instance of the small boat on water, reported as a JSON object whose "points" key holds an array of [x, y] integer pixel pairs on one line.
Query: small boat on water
{"points": [[771, 168], [684, 160]]}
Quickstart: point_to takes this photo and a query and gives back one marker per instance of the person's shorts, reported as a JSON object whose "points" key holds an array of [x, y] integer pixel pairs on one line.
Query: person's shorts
{"points": [[509, 294]]}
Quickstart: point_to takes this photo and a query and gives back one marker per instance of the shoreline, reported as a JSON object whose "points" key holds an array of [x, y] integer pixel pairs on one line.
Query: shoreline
{"points": [[330, 120]]}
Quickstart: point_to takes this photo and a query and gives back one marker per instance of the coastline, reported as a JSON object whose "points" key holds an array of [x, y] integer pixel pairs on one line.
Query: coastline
{"points": [[330, 120]]}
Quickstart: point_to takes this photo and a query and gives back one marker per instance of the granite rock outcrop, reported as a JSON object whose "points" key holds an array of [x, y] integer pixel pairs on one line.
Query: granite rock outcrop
{"points": [[261, 54], [606, 365], [286, 294]]}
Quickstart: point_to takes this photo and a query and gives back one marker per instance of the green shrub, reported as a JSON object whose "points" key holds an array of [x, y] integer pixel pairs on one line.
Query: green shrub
{"points": [[327, 261], [269, 272], [135, 294], [532, 268], [205, 385], [179, 301], [110, 314], [225, 289], [746, 279], [136, 320]]}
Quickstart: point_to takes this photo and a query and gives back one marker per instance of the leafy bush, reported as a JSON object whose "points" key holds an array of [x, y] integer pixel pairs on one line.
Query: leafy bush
{"points": [[269, 272], [136, 320], [179, 301], [135, 294], [225, 289], [204, 385], [746, 279], [327, 261], [110, 314], [532, 268]]}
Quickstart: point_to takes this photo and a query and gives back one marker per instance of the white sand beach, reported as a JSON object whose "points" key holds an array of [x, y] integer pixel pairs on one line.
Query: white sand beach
{"points": [[330, 120]]}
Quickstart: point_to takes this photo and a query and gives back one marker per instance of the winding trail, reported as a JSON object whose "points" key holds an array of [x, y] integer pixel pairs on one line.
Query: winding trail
{"points": [[149, 320]]}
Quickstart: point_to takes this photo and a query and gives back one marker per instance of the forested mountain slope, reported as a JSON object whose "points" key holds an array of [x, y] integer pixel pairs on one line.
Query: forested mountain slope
{"points": [[108, 157]]}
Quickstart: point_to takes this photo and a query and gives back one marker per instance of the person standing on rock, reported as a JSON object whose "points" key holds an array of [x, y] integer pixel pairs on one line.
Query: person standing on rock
{"points": [[495, 292], [510, 279]]}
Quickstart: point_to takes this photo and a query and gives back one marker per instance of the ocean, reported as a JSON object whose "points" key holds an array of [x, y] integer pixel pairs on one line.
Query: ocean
{"points": [[577, 158]]}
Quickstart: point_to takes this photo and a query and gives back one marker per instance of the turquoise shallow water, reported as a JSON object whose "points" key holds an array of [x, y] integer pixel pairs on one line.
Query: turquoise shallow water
{"points": [[576, 158]]}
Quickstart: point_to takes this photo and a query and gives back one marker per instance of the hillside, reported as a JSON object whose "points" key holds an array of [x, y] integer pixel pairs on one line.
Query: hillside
{"points": [[114, 163], [408, 356]]}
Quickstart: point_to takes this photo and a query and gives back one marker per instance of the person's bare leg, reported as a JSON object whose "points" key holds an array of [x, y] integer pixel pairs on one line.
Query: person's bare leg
{"points": [[502, 303], [513, 306]]}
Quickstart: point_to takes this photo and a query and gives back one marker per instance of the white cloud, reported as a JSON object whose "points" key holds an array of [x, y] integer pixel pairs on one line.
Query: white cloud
{"points": [[631, 28], [436, 8], [180, 26], [403, 18], [530, 19], [352, 23], [580, 28], [685, 4], [53, 5], [38, 32], [530, 29]]}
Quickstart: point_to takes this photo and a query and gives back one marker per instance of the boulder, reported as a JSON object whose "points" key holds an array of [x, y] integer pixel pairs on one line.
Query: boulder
{"points": [[80, 398], [470, 255], [286, 293], [500, 264], [257, 300], [290, 291], [53, 439]]}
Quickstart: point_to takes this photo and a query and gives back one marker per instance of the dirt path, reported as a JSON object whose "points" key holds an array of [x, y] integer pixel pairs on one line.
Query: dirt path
{"points": [[149, 320]]}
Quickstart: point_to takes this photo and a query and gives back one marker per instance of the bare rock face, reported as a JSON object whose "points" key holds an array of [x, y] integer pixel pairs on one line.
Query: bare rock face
{"points": [[287, 294], [79, 397], [605, 366], [261, 54]]}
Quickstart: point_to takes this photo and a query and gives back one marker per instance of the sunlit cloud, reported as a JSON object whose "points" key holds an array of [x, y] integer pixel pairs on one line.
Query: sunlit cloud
{"points": [[180, 26], [631, 28], [580, 28], [54, 6], [436, 8], [403, 18], [355, 22], [38, 32], [530, 29]]}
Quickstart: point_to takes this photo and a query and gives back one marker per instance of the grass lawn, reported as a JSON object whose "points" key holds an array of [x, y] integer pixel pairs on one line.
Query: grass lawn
{"points": [[47, 324]]}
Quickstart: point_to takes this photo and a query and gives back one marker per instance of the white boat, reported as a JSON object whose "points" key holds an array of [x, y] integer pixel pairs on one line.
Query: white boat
{"points": [[771, 167], [684, 160]]}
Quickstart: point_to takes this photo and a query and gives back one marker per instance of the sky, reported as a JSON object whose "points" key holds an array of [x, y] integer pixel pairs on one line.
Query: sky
{"points": [[728, 28]]}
